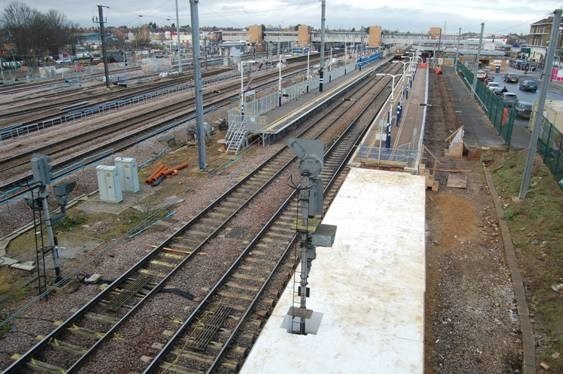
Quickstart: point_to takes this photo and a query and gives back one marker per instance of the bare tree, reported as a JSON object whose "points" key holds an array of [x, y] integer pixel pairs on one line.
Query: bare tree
{"points": [[34, 33]]}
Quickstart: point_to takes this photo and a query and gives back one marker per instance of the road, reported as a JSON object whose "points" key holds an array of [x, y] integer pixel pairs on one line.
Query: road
{"points": [[521, 133]]}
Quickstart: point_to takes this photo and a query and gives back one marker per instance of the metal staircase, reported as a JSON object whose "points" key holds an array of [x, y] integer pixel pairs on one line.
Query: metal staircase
{"points": [[237, 135]]}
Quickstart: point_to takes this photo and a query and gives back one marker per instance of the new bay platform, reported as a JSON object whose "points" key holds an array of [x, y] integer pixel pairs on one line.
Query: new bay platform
{"points": [[280, 120], [369, 286]]}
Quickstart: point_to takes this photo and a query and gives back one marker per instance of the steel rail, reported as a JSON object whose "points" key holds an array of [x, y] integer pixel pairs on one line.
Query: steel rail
{"points": [[9, 183], [198, 310], [33, 351]]}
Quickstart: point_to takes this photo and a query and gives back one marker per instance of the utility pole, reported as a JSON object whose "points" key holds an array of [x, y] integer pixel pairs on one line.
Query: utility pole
{"points": [[553, 42], [476, 67], [101, 21], [457, 47], [178, 39], [205, 52], [280, 81], [322, 61], [198, 88]]}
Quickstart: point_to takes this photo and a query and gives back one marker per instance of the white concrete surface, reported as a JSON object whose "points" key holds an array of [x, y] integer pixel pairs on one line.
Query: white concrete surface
{"points": [[369, 286]]}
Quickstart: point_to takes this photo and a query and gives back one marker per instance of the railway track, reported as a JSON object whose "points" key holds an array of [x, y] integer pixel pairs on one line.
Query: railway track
{"points": [[55, 106], [211, 338], [15, 166], [72, 342], [45, 110], [22, 87]]}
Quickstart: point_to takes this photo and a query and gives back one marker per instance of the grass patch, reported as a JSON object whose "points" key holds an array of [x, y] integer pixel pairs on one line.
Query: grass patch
{"points": [[537, 233], [72, 219]]}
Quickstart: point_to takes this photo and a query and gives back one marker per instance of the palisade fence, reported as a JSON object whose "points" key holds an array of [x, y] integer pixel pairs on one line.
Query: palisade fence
{"points": [[550, 147], [501, 116]]}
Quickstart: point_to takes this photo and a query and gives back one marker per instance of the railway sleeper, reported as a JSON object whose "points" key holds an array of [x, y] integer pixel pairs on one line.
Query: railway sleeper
{"points": [[258, 260], [212, 221], [229, 204], [185, 243], [238, 200], [152, 273], [281, 230], [198, 233], [235, 295], [171, 255], [178, 248], [44, 367], [247, 277], [256, 252], [218, 215], [101, 318], [193, 356], [84, 332], [162, 264], [252, 268], [229, 366], [244, 287], [170, 367], [67, 347]]}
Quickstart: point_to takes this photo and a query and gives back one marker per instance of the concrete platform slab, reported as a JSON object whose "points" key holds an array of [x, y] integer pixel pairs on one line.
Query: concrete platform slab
{"points": [[7, 261], [95, 205], [27, 265], [370, 286]]}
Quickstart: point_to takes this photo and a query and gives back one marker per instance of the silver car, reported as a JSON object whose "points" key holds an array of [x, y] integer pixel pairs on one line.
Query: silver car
{"points": [[510, 98]]}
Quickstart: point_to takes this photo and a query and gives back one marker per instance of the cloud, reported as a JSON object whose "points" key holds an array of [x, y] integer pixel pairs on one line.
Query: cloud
{"points": [[405, 15]]}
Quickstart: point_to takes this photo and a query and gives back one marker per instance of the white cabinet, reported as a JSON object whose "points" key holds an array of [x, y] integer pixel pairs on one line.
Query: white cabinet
{"points": [[128, 173], [109, 184]]}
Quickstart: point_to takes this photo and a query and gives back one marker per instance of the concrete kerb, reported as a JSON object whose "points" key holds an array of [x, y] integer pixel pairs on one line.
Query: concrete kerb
{"points": [[528, 339]]}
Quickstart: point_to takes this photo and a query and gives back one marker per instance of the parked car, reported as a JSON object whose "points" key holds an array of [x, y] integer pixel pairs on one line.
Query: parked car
{"points": [[523, 109], [497, 90], [528, 85], [490, 85], [481, 74], [511, 78], [510, 98]]}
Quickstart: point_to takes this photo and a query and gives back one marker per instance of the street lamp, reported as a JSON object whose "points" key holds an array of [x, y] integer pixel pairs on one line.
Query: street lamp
{"points": [[405, 63], [393, 76]]}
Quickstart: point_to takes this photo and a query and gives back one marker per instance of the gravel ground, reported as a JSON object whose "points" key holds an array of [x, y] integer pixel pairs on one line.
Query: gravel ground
{"points": [[471, 324], [121, 254]]}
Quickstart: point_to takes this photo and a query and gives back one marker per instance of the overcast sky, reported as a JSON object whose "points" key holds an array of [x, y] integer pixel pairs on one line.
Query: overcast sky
{"points": [[500, 16]]}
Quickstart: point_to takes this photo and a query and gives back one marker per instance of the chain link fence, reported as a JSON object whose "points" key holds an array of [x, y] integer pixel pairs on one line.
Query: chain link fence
{"points": [[502, 116], [550, 147]]}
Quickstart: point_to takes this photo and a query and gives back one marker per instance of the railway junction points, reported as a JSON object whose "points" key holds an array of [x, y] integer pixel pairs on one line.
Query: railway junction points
{"points": [[199, 270]]}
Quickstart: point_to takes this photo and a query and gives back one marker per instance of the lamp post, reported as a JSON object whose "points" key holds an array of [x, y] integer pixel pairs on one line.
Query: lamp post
{"points": [[393, 76], [280, 81], [242, 84], [178, 39], [308, 71]]}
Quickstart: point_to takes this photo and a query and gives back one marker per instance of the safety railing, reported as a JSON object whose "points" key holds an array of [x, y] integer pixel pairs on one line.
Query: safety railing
{"points": [[17, 130], [403, 158]]}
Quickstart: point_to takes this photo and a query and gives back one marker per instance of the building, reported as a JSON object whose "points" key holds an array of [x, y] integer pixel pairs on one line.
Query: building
{"points": [[538, 40], [303, 36], [435, 32], [374, 38]]}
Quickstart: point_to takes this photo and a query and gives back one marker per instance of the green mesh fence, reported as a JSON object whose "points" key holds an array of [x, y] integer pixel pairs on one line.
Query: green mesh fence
{"points": [[501, 116], [550, 141], [550, 147]]}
